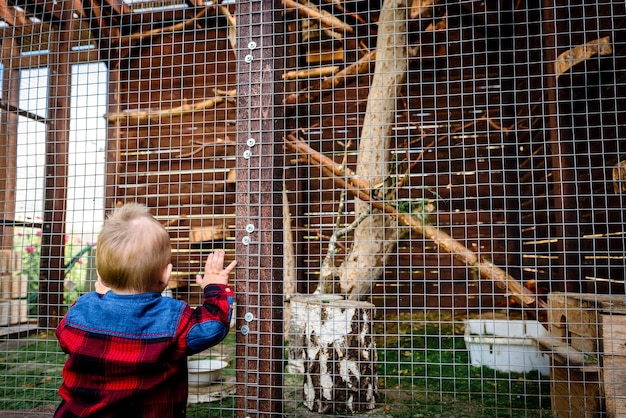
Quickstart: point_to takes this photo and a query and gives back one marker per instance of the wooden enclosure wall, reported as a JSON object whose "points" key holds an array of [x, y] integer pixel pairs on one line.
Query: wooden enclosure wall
{"points": [[179, 164], [517, 161], [457, 161]]}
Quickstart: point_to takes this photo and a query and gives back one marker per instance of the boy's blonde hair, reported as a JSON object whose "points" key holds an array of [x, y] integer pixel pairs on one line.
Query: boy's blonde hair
{"points": [[133, 249]]}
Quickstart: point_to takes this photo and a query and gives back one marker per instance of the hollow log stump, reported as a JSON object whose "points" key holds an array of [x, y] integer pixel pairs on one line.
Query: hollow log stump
{"points": [[301, 308], [340, 367]]}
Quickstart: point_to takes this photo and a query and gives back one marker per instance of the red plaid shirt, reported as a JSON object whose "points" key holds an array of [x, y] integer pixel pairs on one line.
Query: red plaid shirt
{"points": [[128, 353]]}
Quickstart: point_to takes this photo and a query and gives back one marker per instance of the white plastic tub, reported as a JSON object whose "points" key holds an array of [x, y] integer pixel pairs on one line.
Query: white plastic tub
{"points": [[506, 345], [205, 372]]}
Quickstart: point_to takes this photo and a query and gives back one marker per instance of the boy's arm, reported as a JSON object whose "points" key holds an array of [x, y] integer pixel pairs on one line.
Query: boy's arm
{"points": [[212, 319], [59, 332]]}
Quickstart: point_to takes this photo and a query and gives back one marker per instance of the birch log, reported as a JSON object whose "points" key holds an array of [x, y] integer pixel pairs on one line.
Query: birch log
{"points": [[340, 367], [302, 308]]}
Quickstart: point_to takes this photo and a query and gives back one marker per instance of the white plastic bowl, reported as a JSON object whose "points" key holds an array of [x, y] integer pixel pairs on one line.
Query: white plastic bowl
{"points": [[205, 372]]}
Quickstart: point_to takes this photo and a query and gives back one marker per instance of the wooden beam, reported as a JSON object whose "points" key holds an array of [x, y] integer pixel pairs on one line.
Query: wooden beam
{"points": [[8, 150], [564, 201], [52, 271], [114, 137], [259, 346], [7, 107], [11, 15], [43, 60], [24, 35], [143, 115]]}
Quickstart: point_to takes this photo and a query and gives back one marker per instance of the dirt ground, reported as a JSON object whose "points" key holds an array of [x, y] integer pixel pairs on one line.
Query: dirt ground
{"points": [[43, 411]]}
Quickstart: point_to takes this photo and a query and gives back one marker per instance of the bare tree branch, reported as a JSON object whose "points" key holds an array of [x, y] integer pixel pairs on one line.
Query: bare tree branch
{"points": [[347, 179]]}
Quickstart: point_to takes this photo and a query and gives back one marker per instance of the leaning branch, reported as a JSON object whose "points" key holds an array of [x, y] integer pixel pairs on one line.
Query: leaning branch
{"points": [[347, 179]]}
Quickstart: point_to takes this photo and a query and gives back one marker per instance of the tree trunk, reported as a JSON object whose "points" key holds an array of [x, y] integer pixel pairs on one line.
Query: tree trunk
{"points": [[338, 350], [340, 357], [376, 237]]}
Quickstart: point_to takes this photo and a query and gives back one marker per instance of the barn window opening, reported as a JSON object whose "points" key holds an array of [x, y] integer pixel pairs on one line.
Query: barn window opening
{"points": [[86, 164]]}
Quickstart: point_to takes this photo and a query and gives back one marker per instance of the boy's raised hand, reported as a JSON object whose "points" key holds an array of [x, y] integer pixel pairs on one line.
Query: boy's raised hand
{"points": [[214, 271]]}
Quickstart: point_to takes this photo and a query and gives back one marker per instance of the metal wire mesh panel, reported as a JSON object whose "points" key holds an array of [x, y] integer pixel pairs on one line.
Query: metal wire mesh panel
{"points": [[424, 200]]}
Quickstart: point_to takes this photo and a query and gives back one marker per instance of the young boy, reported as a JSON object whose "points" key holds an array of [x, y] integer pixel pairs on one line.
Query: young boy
{"points": [[127, 344]]}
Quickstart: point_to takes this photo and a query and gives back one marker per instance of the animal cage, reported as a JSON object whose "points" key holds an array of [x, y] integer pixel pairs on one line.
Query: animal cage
{"points": [[386, 174]]}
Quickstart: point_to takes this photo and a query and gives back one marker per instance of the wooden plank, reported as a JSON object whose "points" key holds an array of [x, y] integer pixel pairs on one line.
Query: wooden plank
{"points": [[259, 204], [575, 320], [614, 385], [52, 271], [8, 152], [565, 355], [610, 304], [575, 388], [613, 329], [19, 330], [613, 334], [573, 393], [13, 286]]}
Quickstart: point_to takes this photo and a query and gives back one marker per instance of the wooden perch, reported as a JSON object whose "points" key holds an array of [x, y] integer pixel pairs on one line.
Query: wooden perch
{"points": [[578, 54], [422, 8], [310, 73], [337, 5], [619, 177], [338, 80], [312, 31], [126, 40], [361, 66], [201, 146], [142, 115], [208, 233], [332, 23], [347, 179]]}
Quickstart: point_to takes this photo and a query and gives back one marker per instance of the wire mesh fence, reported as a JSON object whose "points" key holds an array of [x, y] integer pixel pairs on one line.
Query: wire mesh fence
{"points": [[424, 198]]}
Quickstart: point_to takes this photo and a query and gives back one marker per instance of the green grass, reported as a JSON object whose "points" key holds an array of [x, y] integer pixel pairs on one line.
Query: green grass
{"points": [[223, 408], [31, 374], [430, 362], [424, 371]]}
